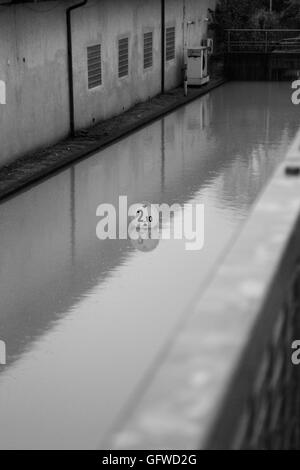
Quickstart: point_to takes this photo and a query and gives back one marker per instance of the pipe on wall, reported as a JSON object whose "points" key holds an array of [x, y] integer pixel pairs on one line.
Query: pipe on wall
{"points": [[70, 63], [163, 44]]}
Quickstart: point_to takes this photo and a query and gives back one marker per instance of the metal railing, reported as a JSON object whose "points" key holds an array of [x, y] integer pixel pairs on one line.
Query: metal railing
{"points": [[228, 380], [263, 40]]}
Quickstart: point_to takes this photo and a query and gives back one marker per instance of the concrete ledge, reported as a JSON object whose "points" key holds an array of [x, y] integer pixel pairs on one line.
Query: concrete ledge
{"points": [[222, 382], [33, 167]]}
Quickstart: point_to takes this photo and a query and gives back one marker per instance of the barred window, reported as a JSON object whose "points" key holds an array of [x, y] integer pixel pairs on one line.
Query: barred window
{"points": [[170, 43], [148, 50], [94, 66], [123, 57]]}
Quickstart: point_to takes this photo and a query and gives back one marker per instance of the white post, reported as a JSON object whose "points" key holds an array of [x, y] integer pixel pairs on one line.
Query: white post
{"points": [[185, 84]]}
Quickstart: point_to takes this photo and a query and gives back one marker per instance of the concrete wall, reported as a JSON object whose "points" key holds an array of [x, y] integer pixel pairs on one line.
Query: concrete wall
{"points": [[178, 13], [105, 22], [33, 64], [197, 12]]}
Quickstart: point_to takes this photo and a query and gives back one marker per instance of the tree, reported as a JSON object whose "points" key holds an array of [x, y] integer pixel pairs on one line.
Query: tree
{"points": [[264, 19], [235, 13], [290, 15], [280, 5], [241, 14], [254, 14]]}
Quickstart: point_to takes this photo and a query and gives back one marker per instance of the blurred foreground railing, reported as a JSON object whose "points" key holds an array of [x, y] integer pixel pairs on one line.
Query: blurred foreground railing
{"points": [[263, 40], [227, 379]]}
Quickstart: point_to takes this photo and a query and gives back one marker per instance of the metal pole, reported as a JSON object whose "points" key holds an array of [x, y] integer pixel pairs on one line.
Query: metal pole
{"points": [[271, 6], [70, 63], [185, 79], [163, 44], [185, 65]]}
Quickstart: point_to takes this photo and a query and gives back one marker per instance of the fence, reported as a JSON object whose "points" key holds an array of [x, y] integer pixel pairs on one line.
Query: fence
{"points": [[227, 381], [263, 40]]}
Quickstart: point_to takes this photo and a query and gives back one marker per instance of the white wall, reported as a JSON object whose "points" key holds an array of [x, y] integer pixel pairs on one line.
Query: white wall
{"points": [[104, 22], [33, 64]]}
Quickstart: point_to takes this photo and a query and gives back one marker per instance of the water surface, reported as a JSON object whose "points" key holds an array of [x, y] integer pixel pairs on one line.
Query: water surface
{"points": [[84, 320]]}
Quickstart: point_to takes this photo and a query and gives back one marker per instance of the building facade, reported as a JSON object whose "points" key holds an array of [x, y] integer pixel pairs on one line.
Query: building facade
{"points": [[63, 69]]}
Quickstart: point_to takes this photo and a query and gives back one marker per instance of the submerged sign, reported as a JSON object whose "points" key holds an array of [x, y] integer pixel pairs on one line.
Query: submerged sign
{"points": [[2, 353], [144, 223]]}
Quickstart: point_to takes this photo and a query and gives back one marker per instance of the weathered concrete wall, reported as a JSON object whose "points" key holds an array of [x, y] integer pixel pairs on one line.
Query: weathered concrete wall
{"points": [[105, 22], [33, 64], [178, 14], [262, 66], [197, 12]]}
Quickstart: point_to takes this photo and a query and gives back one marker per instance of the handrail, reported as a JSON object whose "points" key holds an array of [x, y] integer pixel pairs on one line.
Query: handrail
{"points": [[264, 30], [262, 40]]}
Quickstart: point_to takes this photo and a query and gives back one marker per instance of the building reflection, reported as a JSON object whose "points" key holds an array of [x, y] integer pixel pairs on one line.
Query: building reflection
{"points": [[73, 307], [50, 256]]}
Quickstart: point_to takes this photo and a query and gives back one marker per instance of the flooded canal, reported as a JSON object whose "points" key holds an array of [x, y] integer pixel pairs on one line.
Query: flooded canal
{"points": [[85, 320]]}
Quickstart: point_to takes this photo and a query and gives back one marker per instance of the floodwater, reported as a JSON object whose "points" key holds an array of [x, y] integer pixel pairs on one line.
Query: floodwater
{"points": [[85, 320]]}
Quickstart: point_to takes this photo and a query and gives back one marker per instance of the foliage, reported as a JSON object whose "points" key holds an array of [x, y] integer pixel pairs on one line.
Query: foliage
{"points": [[263, 19], [233, 14], [290, 16]]}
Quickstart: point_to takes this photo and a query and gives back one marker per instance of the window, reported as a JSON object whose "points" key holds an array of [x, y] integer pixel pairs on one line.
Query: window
{"points": [[123, 57], [148, 50], [94, 66], [170, 43]]}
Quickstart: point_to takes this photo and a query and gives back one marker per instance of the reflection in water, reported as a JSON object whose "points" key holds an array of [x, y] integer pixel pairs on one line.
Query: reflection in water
{"points": [[84, 319]]}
